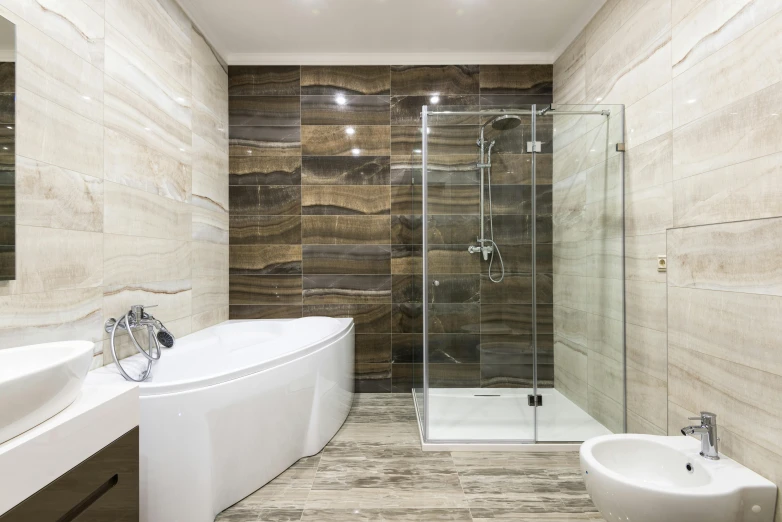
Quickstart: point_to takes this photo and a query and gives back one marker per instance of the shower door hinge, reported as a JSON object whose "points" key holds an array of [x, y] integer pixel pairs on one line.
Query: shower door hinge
{"points": [[534, 400], [620, 147], [534, 146]]}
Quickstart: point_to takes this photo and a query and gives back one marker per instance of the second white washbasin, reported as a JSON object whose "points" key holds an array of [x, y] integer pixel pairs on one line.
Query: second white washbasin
{"points": [[649, 478], [39, 381]]}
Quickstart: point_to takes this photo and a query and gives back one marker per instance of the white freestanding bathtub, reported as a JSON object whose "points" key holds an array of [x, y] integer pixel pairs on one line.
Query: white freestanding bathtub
{"points": [[230, 407]]}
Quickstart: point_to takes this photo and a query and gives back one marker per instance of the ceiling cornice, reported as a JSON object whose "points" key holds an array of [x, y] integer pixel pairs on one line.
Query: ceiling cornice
{"points": [[387, 58]]}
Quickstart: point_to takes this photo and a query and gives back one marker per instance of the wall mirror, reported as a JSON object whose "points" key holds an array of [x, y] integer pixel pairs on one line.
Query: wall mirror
{"points": [[7, 149]]}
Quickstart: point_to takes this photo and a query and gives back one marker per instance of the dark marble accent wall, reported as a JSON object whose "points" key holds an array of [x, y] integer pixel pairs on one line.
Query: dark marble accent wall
{"points": [[7, 171], [325, 216]]}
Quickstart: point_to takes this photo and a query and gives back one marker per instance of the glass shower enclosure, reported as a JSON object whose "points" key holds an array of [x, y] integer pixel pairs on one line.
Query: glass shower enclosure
{"points": [[523, 274]]}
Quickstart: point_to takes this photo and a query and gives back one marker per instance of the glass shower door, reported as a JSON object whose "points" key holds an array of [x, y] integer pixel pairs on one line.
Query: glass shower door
{"points": [[478, 250]]}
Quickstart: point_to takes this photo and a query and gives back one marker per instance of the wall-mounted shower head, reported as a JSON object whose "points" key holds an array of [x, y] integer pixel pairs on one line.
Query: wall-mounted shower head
{"points": [[505, 122]]}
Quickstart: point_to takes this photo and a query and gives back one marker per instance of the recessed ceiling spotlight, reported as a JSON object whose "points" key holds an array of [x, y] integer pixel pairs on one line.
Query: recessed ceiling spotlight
{"points": [[341, 100], [355, 152], [434, 99], [350, 131]]}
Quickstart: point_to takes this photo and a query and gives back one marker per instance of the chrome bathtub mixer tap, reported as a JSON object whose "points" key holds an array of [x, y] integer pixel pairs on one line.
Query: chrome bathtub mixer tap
{"points": [[137, 318]]}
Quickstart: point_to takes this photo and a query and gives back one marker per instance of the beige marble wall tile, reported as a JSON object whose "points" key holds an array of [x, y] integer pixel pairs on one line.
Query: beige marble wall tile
{"points": [[647, 397], [748, 190], [43, 317], [746, 399], [732, 326], [173, 299], [129, 260], [634, 45], [153, 34], [132, 163], [739, 257], [211, 126], [608, 20], [605, 410], [133, 212], [606, 337], [570, 258], [649, 164], [649, 211], [211, 92], [604, 297], [604, 180], [46, 68], [210, 226], [131, 114], [606, 375], [571, 358], [650, 117], [571, 325], [569, 203], [714, 25], [604, 219], [749, 129], [50, 133], [645, 304], [745, 66], [605, 258], [209, 318], [569, 72], [210, 277], [99, 6], [647, 351], [641, 254], [210, 193], [73, 24], [571, 387], [571, 291], [54, 197], [637, 424], [56, 259], [129, 66], [205, 63], [209, 159]]}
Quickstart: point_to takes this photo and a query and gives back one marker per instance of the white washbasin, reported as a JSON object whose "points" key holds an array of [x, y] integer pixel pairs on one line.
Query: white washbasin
{"points": [[645, 478], [39, 381]]}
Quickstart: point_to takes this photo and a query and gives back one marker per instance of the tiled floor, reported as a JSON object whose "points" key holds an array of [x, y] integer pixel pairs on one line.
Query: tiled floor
{"points": [[373, 470]]}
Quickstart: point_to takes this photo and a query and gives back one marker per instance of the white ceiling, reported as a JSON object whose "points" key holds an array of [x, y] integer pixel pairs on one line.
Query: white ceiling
{"points": [[401, 32]]}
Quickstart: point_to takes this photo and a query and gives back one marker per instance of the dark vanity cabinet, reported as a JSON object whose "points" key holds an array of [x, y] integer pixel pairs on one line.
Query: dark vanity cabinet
{"points": [[103, 488]]}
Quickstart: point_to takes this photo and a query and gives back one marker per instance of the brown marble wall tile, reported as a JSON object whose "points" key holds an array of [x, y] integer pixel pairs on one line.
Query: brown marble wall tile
{"points": [[347, 289], [455, 375], [345, 230], [406, 288], [406, 259], [264, 200], [454, 348], [368, 318], [264, 141], [7, 200], [454, 229], [345, 140], [425, 80], [264, 311], [517, 79], [441, 140], [346, 170], [453, 169], [407, 348], [405, 377], [505, 349], [345, 79], [406, 229], [514, 289], [264, 259], [507, 375], [407, 318], [523, 102], [7, 108], [268, 80], [345, 200], [347, 259], [503, 319], [7, 261], [517, 259], [406, 110], [345, 110], [264, 289], [264, 170], [455, 288], [509, 199], [373, 363], [264, 110], [442, 199], [264, 230], [453, 259], [7, 230], [455, 318], [7, 76]]}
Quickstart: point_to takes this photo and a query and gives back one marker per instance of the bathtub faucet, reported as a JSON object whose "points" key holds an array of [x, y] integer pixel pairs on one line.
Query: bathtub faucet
{"points": [[135, 319]]}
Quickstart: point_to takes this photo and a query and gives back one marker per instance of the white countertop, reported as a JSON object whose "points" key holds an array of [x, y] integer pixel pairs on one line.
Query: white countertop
{"points": [[105, 409]]}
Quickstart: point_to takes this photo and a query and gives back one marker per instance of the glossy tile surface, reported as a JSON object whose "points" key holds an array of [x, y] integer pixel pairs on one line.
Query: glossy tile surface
{"points": [[373, 470]]}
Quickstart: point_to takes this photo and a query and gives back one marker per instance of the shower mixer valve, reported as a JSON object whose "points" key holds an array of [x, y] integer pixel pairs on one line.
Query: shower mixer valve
{"points": [[485, 250]]}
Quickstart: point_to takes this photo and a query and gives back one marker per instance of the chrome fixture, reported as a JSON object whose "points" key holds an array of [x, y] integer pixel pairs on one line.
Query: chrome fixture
{"points": [[137, 318], [708, 433], [487, 247]]}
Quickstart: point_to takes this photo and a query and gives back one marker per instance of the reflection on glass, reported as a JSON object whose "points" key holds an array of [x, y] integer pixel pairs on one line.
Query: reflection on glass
{"points": [[7, 149]]}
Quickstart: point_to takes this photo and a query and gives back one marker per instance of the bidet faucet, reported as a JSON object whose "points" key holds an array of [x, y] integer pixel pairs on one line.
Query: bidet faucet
{"points": [[708, 433]]}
